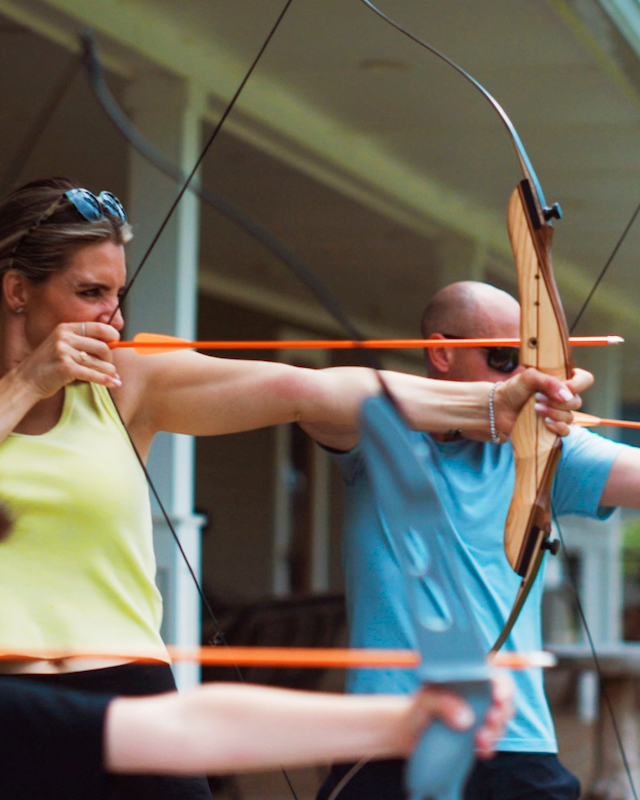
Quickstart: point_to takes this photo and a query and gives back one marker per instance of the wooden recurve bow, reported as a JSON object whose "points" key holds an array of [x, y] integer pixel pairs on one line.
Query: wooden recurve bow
{"points": [[453, 655], [544, 345]]}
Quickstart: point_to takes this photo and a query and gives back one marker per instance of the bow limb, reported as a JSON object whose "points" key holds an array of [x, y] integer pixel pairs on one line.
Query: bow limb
{"points": [[544, 345], [528, 215], [453, 653]]}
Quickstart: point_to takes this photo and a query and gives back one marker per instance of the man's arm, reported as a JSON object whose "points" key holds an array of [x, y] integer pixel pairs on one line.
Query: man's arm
{"points": [[224, 728], [623, 484]]}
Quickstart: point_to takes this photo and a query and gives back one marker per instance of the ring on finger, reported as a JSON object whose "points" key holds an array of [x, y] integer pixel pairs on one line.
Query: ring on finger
{"points": [[83, 329]]}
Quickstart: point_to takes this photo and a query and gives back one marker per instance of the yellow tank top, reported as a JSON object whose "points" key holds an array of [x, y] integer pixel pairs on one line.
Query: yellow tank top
{"points": [[78, 570]]}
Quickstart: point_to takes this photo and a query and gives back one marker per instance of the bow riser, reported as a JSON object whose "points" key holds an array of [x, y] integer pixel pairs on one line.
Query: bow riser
{"points": [[544, 345]]}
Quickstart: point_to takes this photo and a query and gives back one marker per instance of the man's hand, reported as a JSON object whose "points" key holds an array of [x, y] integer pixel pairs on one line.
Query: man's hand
{"points": [[555, 399]]}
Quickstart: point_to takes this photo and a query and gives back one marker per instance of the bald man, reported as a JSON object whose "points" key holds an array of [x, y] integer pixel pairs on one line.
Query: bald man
{"points": [[476, 479]]}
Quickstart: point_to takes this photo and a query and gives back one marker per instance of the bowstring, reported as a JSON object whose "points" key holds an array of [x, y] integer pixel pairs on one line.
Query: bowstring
{"points": [[305, 274], [598, 281], [201, 157], [169, 214], [254, 228], [530, 173], [348, 777], [17, 164], [572, 581], [594, 655], [222, 204], [40, 123]]}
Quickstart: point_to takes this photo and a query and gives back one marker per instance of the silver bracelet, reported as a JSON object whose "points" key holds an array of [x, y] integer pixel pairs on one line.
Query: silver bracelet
{"points": [[495, 436]]}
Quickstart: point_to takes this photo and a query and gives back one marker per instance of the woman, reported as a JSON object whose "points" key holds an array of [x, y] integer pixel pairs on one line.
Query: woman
{"points": [[78, 571]]}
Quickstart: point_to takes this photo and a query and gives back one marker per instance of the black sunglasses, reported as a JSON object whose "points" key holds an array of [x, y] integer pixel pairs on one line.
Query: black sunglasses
{"points": [[502, 359]]}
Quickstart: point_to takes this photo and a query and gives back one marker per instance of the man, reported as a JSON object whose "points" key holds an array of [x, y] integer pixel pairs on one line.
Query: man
{"points": [[594, 475]]}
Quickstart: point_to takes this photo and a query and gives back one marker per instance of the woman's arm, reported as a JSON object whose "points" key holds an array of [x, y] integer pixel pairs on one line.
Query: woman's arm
{"points": [[65, 356], [17, 397], [439, 406], [224, 728], [201, 395]]}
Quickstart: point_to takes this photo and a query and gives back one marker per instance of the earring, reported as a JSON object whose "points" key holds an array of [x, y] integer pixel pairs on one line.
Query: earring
{"points": [[20, 310]]}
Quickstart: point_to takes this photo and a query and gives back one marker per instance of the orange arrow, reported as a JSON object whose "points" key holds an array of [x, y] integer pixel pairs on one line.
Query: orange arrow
{"points": [[589, 421], [150, 343], [313, 657]]}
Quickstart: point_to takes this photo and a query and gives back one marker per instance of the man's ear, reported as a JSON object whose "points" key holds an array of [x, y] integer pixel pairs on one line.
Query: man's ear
{"points": [[15, 289], [439, 359]]}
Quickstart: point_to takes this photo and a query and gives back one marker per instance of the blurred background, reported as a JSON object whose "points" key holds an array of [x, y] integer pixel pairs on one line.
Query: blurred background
{"points": [[388, 175]]}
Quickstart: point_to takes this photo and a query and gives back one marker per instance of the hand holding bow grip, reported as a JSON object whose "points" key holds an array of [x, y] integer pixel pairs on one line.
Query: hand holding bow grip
{"points": [[422, 538]]}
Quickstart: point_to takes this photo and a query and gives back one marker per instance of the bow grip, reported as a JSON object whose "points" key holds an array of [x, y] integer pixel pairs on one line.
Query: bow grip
{"points": [[440, 764]]}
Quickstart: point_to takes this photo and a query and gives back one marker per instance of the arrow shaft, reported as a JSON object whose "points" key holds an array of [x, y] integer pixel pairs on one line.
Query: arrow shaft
{"points": [[590, 421], [308, 657], [312, 657], [346, 344], [619, 423]]}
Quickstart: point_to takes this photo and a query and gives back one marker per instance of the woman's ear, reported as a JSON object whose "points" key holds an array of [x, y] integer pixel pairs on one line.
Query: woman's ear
{"points": [[15, 290]]}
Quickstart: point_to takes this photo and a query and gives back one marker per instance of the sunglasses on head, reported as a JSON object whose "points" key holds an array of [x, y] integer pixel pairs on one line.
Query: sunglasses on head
{"points": [[86, 203], [502, 359], [93, 207]]}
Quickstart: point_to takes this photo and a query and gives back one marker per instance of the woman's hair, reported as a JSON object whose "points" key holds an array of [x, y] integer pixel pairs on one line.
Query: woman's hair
{"points": [[38, 244]]}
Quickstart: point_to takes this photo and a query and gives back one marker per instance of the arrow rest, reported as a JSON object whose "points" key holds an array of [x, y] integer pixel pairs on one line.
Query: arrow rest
{"points": [[552, 212], [552, 545]]}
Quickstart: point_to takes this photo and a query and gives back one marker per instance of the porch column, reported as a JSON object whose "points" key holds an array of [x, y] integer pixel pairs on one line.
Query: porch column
{"points": [[164, 300]]}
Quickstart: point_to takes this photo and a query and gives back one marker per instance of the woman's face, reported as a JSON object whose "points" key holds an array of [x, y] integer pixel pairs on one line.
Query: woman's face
{"points": [[87, 290]]}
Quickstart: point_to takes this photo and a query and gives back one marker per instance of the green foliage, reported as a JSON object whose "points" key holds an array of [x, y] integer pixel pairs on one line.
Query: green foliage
{"points": [[631, 549]]}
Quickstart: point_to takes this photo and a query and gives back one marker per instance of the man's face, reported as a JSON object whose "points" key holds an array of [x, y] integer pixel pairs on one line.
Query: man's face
{"points": [[497, 321]]}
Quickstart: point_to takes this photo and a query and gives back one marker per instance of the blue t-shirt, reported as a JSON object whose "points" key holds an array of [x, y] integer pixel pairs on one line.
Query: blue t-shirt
{"points": [[478, 480]]}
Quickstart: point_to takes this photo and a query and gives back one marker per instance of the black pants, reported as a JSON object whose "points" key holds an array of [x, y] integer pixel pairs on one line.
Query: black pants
{"points": [[51, 742], [508, 776], [131, 680]]}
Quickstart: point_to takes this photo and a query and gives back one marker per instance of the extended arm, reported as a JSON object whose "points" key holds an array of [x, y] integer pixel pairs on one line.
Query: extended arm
{"points": [[439, 406], [226, 728], [201, 395], [196, 394]]}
